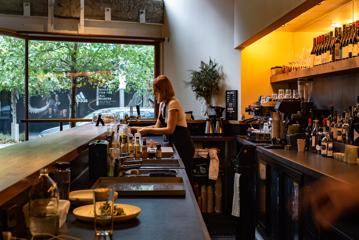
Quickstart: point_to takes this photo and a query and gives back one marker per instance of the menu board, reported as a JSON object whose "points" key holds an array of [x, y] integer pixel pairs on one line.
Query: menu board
{"points": [[104, 97], [232, 105]]}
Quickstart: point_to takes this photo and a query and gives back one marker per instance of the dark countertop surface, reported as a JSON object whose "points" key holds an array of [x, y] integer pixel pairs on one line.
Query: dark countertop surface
{"points": [[309, 163], [161, 218]]}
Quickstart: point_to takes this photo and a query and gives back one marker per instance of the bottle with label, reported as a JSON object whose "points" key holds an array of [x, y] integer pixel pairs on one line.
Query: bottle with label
{"points": [[43, 207], [144, 149], [137, 146], [337, 45], [131, 148], [355, 124], [324, 145], [308, 132], [314, 136], [124, 144]]}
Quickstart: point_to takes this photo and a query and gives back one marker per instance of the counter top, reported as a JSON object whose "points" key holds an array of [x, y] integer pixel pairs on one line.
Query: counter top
{"points": [[22, 161], [309, 163], [161, 218]]}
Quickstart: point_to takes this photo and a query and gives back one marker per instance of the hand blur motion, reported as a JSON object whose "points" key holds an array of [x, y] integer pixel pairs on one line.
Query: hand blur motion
{"points": [[330, 199], [143, 131]]}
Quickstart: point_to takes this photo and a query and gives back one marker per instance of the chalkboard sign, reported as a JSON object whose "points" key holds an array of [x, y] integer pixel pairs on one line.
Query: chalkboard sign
{"points": [[232, 104]]}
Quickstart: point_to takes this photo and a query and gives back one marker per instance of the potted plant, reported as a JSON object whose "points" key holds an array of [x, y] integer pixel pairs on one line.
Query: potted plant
{"points": [[205, 81]]}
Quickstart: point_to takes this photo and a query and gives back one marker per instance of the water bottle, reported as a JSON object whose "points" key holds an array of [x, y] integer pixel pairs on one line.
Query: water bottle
{"points": [[43, 207], [62, 177]]}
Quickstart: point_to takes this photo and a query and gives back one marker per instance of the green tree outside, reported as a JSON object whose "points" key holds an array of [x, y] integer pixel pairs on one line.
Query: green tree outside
{"points": [[55, 66]]}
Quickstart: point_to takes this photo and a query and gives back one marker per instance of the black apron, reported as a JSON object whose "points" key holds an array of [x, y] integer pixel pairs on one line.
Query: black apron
{"points": [[181, 139]]}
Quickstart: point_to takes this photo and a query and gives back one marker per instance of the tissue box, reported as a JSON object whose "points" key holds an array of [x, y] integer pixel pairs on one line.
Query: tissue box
{"points": [[64, 206]]}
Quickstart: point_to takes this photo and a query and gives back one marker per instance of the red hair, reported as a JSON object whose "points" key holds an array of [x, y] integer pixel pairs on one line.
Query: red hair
{"points": [[163, 86]]}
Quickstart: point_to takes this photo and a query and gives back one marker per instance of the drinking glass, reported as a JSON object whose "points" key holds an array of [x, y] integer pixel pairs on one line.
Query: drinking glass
{"points": [[103, 202], [280, 94], [288, 93], [295, 94], [301, 88]]}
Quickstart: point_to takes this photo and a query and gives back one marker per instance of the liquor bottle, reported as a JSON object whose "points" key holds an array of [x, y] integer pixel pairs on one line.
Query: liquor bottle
{"points": [[144, 149], [137, 146], [124, 144], [324, 139], [344, 42], [337, 45], [351, 41], [314, 136], [308, 132], [356, 40], [324, 145], [316, 52], [355, 124], [330, 147], [338, 126], [329, 47], [131, 149], [312, 53], [345, 127]]}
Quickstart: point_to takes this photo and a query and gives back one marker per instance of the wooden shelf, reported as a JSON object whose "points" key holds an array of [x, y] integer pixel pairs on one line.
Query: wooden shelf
{"points": [[342, 66]]}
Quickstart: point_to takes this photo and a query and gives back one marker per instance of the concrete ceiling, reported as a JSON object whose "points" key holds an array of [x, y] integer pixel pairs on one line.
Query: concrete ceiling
{"points": [[121, 10]]}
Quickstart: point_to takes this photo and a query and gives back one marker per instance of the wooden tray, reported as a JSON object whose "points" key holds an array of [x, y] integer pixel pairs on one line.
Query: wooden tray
{"points": [[143, 186]]}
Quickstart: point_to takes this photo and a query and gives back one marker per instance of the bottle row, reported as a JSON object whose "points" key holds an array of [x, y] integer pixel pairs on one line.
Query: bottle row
{"points": [[133, 146], [340, 127], [344, 43]]}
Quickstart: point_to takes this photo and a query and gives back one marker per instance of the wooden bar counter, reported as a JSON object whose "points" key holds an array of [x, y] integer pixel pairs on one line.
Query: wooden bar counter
{"points": [[20, 163], [161, 217]]}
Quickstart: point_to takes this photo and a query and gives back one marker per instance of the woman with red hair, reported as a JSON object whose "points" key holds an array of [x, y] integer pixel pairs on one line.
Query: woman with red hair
{"points": [[171, 121]]}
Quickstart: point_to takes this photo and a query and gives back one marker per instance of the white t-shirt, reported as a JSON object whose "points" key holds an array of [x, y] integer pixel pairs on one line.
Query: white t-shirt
{"points": [[175, 104]]}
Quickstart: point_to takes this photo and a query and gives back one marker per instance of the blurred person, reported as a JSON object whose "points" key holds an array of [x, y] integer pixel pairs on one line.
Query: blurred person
{"points": [[330, 199], [171, 121]]}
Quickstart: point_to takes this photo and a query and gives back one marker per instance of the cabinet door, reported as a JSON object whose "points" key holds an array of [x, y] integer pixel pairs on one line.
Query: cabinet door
{"points": [[262, 215], [290, 204]]}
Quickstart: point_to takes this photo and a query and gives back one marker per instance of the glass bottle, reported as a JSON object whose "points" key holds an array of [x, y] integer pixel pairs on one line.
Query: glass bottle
{"points": [[131, 149], [43, 206], [144, 149], [308, 132], [62, 178], [137, 146], [314, 136]]}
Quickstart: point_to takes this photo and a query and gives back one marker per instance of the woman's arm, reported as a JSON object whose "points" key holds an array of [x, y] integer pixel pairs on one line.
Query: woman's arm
{"points": [[157, 125], [171, 125]]}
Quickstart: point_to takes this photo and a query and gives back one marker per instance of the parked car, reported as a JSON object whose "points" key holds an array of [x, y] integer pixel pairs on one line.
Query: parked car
{"points": [[117, 112]]}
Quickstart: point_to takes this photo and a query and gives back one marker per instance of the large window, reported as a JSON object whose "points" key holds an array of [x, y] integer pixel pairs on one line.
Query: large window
{"points": [[12, 88], [78, 80], [71, 80]]}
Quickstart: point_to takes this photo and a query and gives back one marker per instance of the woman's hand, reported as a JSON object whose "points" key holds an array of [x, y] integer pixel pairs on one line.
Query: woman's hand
{"points": [[143, 131], [330, 199]]}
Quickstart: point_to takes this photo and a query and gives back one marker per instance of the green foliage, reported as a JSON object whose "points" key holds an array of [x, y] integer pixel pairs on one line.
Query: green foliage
{"points": [[205, 81], [51, 64]]}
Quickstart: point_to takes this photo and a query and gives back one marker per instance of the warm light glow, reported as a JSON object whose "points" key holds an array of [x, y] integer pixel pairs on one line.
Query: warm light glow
{"points": [[335, 25]]}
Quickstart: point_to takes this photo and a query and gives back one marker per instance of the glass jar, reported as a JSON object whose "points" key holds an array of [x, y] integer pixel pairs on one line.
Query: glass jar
{"points": [[43, 207]]}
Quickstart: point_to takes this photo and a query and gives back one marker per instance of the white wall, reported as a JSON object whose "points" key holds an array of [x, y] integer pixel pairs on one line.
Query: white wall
{"points": [[198, 30]]}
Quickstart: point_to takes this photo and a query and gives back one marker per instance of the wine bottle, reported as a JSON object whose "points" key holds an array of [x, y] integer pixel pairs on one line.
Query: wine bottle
{"points": [[337, 45], [314, 136]]}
